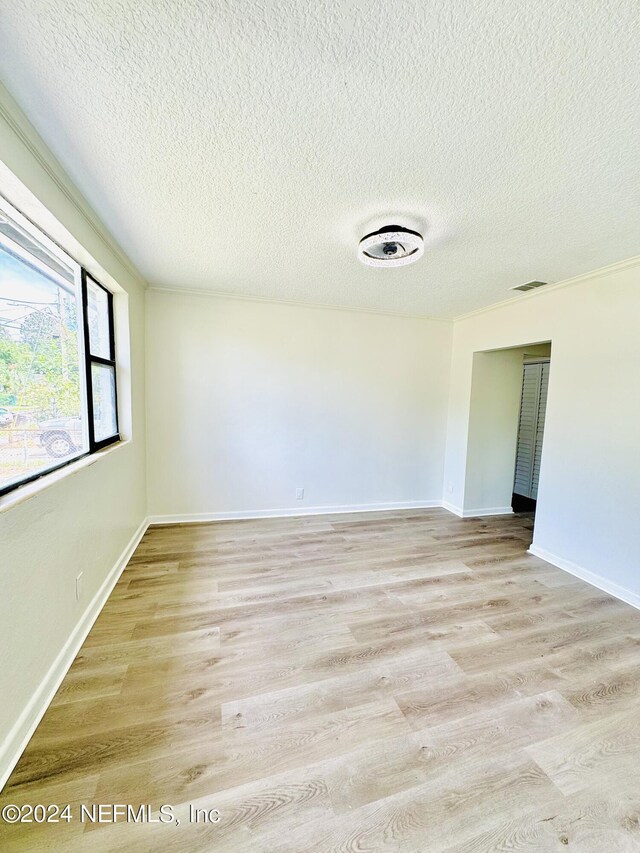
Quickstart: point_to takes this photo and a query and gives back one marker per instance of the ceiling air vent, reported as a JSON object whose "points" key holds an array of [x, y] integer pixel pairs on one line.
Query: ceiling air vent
{"points": [[529, 285]]}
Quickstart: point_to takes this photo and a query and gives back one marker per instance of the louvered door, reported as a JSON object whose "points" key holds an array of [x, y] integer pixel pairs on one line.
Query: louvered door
{"points": [[533, 407]]}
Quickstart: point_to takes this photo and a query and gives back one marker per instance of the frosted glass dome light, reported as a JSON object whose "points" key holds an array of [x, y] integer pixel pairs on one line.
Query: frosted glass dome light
{"points": [[392, 246]]}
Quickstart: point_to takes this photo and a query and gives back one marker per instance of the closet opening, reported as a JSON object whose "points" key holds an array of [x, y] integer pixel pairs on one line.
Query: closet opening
{"points": [[533, 409]]}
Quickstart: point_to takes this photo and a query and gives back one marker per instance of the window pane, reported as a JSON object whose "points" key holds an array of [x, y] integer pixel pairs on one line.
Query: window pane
{"points": [[98, 312], [104, 401], [40, 386]]}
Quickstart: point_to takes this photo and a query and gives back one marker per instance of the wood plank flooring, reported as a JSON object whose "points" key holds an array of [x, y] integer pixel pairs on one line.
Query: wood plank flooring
{"points": [[399, 681]]}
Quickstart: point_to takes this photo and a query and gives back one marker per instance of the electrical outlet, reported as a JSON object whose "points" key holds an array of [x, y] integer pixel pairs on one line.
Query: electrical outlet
{"points": [[79, 586], [299, 494], [450, 488]]}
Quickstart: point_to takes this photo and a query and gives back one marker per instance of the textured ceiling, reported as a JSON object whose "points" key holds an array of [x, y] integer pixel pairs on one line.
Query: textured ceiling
{"points": [[245, 147]]}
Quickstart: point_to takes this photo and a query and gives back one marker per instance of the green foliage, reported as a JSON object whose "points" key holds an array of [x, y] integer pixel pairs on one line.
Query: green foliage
{"points": [[37, 328], [40, 369]]}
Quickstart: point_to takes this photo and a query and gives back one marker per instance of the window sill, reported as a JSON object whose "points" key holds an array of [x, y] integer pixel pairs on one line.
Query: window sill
{"points": [[30, 490]]}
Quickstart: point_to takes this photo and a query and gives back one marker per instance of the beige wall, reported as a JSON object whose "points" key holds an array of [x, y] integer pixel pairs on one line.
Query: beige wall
{"points": [[84, 521], [248, 401], [589, 485]]}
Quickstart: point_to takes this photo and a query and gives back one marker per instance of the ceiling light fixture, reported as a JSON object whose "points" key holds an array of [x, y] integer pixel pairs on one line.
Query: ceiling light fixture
{"points": [[392, 246]]}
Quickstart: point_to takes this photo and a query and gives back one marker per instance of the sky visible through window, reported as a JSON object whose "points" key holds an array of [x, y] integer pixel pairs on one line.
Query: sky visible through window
{"points": [[20, 284]]}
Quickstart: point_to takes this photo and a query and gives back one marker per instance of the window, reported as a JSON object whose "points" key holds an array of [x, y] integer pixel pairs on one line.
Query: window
{"points": [[58, 396], [97, 305]]}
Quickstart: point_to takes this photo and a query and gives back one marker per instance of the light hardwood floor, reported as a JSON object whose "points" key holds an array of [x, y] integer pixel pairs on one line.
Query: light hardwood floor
{"points": [[401, 681]]}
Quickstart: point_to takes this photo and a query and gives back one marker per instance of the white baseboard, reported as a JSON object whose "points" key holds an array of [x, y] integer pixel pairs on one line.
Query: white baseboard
{"points": [[289, 512], [24, 727], [456, 510], [477, 513], [488, 510], [600, 582]]}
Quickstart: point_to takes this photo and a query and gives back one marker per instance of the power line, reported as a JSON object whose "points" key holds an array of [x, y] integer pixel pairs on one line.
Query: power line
{"points": [[25, 301]]}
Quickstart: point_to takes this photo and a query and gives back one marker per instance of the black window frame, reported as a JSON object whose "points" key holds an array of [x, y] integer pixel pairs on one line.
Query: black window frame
{"points": [[91, 359], [93, 445]]}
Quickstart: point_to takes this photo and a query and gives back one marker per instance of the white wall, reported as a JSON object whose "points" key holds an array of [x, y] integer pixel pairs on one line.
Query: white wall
{"points": [[248, 401], [493, 431], [83, 521], [589, 494]]}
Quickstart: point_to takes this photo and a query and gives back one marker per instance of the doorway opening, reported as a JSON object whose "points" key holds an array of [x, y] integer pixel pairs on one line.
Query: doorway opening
{"points": [[506, 430]]}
